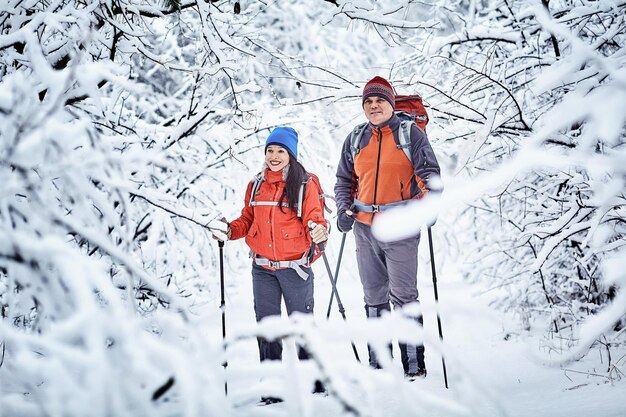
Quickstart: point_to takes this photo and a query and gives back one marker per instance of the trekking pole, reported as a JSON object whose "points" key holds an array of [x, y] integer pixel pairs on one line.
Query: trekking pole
{"points": [[332, 293], [223, 308], [334, 289], [432, 265]]}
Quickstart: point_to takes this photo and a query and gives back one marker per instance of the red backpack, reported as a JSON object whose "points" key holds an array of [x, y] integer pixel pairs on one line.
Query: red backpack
{"points": [[322, 196], [411, 108]]}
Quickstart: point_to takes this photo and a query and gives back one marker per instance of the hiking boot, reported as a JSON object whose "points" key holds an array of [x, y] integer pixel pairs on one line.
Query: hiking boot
{"points": [[376, 311], [419, 374], [319, 387], [270, 400]]}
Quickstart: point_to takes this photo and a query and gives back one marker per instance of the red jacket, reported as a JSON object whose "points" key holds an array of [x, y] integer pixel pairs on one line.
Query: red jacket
{"points": [[274, 234]]}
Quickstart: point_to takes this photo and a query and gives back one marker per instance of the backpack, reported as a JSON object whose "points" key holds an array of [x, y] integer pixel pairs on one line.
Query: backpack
{"points": [[411, 111]]}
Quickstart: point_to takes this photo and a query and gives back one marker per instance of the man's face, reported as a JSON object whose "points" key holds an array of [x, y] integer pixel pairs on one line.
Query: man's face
{"points": [[377, 110]]}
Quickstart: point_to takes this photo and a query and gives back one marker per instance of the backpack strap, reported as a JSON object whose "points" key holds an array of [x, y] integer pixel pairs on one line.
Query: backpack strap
{"points": [[355, 140], [301, 195], [296, 264], [404, 137], [256, 183], [268, 203], [332, 197], [360, 206]]}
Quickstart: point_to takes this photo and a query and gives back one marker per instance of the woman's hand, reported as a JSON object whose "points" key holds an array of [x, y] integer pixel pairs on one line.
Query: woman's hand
{"points": [[220, 229], [319, 233]]}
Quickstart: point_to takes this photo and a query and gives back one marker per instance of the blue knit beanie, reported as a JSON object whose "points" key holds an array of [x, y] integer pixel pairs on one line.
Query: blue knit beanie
{"points": [[285, 137]]}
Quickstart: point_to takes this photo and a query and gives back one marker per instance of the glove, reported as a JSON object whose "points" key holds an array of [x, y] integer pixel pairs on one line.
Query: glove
{"points": [[345, 221], [220, 229], [319, 233]]}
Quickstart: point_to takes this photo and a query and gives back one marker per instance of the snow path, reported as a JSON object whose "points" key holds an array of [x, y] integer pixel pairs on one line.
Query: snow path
{"points": [[488, 375]]}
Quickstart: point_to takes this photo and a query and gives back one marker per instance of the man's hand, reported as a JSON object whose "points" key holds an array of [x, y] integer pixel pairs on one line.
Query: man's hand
{"points": [[319, 233], [345, 220], [220, 229]]}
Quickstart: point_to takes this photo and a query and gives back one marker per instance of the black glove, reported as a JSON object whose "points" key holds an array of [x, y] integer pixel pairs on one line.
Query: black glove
{"points": [[344, 222]]}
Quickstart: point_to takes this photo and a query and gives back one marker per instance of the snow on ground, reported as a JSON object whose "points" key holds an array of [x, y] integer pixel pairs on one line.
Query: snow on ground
{"points": [[492, 369]]}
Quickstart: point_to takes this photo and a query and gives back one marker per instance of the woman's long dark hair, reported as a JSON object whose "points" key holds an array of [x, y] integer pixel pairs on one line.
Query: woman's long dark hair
{"points": [[295, 177]]}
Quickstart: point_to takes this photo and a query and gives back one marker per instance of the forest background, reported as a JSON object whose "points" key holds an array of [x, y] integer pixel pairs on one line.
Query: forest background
{"points": [[127, 126]]}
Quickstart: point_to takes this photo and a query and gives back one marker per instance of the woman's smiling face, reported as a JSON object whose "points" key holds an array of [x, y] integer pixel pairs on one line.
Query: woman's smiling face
{"points": [[276, 157]]}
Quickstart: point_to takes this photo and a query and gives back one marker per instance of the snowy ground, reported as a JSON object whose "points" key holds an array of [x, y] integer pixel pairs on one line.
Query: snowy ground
{"points": [[488, 375], [493, 370]]}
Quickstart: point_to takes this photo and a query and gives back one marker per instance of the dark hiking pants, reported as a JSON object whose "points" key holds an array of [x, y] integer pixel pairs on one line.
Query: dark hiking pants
{"points": [[268, 289], [388, 272]]}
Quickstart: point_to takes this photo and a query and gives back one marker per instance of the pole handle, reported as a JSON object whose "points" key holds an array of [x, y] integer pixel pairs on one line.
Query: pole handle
{"points": [[320, 245]]}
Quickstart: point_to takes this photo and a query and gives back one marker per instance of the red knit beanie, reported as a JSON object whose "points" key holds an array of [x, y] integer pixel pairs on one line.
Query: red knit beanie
{"points": [[380, 87]]}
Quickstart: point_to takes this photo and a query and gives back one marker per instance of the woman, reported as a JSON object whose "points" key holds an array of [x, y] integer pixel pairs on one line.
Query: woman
{"points": [[279, 239]]}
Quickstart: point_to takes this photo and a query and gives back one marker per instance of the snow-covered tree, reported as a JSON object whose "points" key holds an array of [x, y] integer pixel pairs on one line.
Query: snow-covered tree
{"points": [[530, 92], [128, 126]]}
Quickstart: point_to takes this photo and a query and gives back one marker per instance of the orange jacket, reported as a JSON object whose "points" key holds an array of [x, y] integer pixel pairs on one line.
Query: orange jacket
{"points": [[274, 234], [381, 173]]}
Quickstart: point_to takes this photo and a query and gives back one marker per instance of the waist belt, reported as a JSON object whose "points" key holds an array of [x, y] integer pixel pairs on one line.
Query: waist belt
{"points": [[295, 264], [377, 208]]}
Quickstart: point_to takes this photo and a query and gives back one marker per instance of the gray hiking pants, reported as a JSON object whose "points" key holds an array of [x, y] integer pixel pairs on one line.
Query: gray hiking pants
{"points": [[268, 288], [388, 272]]}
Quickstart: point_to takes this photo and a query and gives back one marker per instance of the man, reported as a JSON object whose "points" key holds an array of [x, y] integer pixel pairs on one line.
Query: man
{"points": [[379, 176]]}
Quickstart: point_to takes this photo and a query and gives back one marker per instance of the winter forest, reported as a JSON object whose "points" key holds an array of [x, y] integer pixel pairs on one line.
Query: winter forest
{"points": [[127, 127]]}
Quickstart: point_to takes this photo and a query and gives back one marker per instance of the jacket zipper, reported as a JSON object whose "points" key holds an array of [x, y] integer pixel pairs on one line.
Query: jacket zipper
{"points": [[380, 145]]}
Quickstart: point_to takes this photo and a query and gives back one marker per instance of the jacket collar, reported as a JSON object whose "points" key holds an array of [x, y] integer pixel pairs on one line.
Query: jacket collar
{"points": [[275, 176]]}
